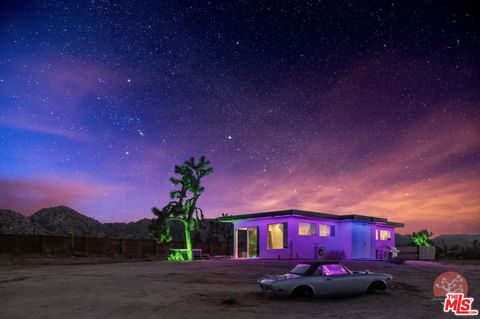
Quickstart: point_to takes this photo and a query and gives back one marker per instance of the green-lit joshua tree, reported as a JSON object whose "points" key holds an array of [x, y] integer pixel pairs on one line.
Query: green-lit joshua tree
{"points": [[422, 238], [183, 204]]}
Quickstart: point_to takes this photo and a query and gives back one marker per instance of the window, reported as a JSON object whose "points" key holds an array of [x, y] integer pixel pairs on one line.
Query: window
{"points": [[307, 229], [327, 230], [300, 269], [277, 236], [385, 234], [334, 270], [318, 271]]}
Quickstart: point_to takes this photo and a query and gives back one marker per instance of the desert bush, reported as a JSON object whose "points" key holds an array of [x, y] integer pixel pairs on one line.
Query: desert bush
{"points": [[397, 261], [177, 255]]}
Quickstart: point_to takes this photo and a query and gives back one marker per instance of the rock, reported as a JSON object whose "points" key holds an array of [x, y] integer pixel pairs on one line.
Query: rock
{"points": [[230, 301]]}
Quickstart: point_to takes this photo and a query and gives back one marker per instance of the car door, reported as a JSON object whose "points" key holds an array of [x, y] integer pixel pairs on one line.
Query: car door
{"points": [[317, 281], [339, 284], [338, 280]]}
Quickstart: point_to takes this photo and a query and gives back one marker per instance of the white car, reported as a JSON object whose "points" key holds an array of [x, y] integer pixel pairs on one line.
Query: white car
{"points": [[325, 278]]}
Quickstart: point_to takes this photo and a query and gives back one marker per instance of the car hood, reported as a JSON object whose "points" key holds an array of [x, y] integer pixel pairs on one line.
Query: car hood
{"points": [[273, 278]]}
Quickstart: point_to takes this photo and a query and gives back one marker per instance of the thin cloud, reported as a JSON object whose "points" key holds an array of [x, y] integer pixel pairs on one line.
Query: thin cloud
{"points": [[27, 196], [51, 130], [399, 184]]}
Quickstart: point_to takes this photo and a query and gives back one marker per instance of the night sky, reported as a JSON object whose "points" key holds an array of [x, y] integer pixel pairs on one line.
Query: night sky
{"points": [[339, 107]]}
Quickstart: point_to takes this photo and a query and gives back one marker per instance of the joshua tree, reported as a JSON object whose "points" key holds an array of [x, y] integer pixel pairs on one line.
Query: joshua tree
{"points": [[455, 284], [422, 238], [183, 204]]}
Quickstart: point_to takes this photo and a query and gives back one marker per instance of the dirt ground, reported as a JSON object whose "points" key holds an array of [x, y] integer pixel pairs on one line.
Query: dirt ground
{"points": [[160, 289]]}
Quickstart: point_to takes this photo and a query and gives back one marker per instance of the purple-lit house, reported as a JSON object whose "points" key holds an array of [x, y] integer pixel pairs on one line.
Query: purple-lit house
{"points": [[297, 234]]}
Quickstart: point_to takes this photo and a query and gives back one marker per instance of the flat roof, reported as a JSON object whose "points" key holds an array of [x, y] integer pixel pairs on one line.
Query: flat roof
{"points": [[290, 212]]}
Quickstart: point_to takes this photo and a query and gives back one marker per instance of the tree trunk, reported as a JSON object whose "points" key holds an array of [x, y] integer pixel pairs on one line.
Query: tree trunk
{"points": [[188, 242]]}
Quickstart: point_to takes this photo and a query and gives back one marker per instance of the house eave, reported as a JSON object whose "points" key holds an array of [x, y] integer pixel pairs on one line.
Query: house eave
{"points": [[302, 213]]}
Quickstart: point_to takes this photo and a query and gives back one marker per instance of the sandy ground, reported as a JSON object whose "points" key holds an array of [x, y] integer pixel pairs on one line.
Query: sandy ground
{"points": [[159, 289]]}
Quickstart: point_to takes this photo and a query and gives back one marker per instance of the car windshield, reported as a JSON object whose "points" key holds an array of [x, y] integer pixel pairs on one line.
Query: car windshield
{"points": [[334, 270], [300, 269]]}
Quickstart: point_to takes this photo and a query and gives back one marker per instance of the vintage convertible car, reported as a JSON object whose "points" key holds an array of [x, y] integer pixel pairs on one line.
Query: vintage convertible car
{"points": [[323, 278]]}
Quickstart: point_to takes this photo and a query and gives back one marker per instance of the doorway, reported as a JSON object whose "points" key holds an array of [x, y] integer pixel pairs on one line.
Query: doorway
{"points": [[247, 242], [361, 241]]}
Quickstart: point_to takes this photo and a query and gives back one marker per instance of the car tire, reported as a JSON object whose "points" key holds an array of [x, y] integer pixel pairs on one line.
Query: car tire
{"points": [[303, 292], [376, 285]]}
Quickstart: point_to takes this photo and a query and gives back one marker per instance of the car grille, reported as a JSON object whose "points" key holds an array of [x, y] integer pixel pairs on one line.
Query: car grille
{"points": [[266, 287]]}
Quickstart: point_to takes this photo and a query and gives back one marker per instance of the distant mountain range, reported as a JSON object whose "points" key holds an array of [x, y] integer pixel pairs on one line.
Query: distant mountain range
{"points": [[64, 221], [460, 240]]}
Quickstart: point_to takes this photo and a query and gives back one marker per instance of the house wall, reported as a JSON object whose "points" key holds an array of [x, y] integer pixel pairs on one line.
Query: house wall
{"points": [[304, 247], [384, 244], [345, 238], [299, 246], [262, 225]]}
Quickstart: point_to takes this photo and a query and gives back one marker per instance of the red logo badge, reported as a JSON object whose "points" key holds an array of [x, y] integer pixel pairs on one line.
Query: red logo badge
{"points": [[450, 282], [454, 288]]}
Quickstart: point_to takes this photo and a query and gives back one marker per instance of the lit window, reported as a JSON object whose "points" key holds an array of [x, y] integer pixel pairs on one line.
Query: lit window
{"points": [[307, 229], [327, 230], [385, 234], [277, 238]]}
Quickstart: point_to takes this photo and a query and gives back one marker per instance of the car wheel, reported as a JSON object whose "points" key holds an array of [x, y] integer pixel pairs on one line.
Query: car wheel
{"points": [[376, 285], [303, 292]]}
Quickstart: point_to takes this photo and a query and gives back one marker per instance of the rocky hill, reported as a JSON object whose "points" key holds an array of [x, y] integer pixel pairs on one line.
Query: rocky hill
{"points": [[15, 223], [450, 240], [457, 240], [64, 221], [132, 230]]}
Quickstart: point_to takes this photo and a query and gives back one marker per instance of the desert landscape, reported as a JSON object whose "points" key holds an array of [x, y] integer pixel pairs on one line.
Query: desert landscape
{"points": [[211, 289], [157, 158]]}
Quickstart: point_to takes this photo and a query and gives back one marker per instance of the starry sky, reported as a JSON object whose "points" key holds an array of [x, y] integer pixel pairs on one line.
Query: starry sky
{"points": [[367, 107]]}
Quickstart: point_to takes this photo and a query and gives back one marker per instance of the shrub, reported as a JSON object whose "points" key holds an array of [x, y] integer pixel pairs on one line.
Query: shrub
{"points": [[176, 255], [397, 261]]}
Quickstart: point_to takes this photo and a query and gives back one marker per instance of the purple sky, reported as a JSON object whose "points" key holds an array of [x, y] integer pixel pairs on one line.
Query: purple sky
{"points": [[368, 108]]}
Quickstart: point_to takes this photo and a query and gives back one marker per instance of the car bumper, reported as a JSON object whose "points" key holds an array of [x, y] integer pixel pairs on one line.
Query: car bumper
{"points": [[274, 292], [266, 289]]}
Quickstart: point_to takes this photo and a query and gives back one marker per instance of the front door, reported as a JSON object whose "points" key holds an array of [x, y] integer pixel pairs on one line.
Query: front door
{"points": [[252, 242], [361, 241], [242, 243]]}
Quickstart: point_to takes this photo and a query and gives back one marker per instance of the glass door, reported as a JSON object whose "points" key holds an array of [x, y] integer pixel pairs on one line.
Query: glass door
{"points": [[252, 242], [247, 242]]}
